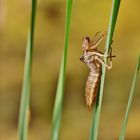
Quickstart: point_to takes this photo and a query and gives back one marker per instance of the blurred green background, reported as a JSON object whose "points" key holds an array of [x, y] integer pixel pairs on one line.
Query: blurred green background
{"points": [[88, 17]]}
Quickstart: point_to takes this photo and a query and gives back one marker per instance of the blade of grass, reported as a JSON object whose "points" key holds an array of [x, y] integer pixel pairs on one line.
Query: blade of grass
{"points": [[97, 109], [25, 97], [60, 87], [125, 121]]}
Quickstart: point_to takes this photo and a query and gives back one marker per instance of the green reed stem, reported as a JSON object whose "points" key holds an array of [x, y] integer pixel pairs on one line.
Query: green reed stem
{"points": [[25, 97], [125, 121], [60, 87], [97, 109]]}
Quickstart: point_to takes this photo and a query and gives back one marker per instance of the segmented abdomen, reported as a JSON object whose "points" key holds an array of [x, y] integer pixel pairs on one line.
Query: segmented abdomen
{"points": [[92, 87]]}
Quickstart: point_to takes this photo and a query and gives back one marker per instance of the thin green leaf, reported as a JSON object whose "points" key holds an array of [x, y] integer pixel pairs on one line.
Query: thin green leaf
{"points": [[25, 97], [60, 87], [97, 109], [125, 121]]}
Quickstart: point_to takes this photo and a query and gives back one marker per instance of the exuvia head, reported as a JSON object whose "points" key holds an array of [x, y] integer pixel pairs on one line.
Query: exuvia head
{"points": [[85, 45]]}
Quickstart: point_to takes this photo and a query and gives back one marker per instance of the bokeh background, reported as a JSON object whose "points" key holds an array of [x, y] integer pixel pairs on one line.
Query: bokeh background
{"points": [[88, 17]]}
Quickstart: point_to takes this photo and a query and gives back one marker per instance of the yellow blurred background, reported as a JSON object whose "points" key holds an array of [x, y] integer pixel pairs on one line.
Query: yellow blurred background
{"points": [[88, 17]]}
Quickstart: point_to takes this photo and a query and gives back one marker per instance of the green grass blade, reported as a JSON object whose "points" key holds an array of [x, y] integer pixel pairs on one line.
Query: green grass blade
{"points": [[97, 109], [125, 121], [60, 87], [25, 97]]}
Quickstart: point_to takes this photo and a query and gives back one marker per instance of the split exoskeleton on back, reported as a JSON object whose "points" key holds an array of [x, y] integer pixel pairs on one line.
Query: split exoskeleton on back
{"points": [[93, 58]]}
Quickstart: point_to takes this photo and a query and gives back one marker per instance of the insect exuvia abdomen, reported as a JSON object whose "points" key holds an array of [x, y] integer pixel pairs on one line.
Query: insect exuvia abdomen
{"points": [[92, 87]]}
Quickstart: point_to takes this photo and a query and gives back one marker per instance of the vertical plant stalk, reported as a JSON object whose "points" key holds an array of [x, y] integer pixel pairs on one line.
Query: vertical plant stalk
{"points": [[125, 121], [97, 109], [60, 87], [25, 97]]}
